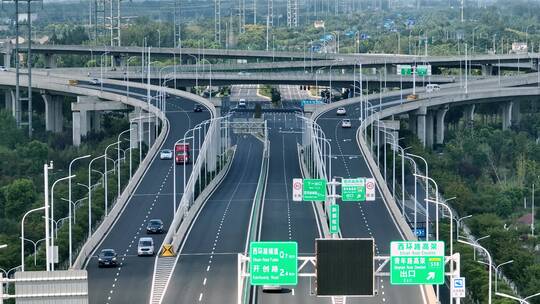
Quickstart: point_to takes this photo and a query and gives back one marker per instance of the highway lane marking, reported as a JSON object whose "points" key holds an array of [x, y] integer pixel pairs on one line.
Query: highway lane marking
{"points": [[200, 297], [204, 282]]}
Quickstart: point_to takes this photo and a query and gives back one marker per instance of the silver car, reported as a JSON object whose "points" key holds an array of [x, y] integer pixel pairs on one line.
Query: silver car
{"points": [[346, 123], [146, 246], [166, 154]]}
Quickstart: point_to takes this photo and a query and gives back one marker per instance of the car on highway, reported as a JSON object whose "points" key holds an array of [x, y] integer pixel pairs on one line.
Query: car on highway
{"points": [[430, 88], [145, 246], [165, 154], [242, 103], [198, 108], [244, 73], [95, 81], [155, 226], [341, 111], [412, 97], [346, 123], [3, 68], [107, 257]]}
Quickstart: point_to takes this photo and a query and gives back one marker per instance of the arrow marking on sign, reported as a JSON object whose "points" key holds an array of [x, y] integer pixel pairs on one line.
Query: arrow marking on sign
{"points": [[431, 276]]}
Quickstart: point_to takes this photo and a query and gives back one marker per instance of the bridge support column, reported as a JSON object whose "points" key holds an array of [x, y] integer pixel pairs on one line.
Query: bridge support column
{"points": [[507, 115], [119, 61], [516, 113], [468, 114], [95, 121], [54, 116], [412, 122], [80, 126], [50, 61], [487, 70], [430, 117], [8, 101], [421, 124], [135, 125], [7, 59], [441, 114], [534, 64]]}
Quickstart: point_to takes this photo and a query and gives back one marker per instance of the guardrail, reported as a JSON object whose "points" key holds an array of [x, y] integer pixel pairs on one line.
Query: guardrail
{"points": [[254, 227]]}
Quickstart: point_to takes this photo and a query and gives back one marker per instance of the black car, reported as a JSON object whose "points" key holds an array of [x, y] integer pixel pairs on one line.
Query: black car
{"points": [[198, 108], [107, 257], [155, 226]]}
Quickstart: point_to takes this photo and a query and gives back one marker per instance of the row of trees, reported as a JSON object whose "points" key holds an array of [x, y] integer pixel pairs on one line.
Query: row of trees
{"points": [[491, 173]]}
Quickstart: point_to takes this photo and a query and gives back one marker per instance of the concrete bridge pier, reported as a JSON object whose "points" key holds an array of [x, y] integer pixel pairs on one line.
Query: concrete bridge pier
{"points": [[506, 109], [84, 122], [8, 100], [412, 123], [468, 114], [50, 61], [421, 124], [516, 113], [430, 119], [441, 114], [54, 116], [487, 70]]}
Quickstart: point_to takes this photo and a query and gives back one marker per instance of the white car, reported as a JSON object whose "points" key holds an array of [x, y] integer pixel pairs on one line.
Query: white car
{"points": [[166, 154], [146, 246], [341, 111], [242, 103], [3, 68], [95, 81], [346, 123]]}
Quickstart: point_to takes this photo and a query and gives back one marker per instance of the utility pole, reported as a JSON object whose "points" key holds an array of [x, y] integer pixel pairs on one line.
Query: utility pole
{"points": [[217, 21], [462, 9], [532, 210]]}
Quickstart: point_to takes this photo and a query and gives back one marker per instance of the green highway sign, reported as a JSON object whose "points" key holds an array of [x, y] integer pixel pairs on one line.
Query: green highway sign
{"points": [[416, 263], [423, 70], [273, 263], [334, 219], [404, 70], [314, 190], [353, 189]]}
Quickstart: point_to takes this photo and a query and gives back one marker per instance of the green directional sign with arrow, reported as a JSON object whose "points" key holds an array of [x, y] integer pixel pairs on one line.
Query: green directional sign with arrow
{"points": [[353, 190], [416, 263], [314, 190]]}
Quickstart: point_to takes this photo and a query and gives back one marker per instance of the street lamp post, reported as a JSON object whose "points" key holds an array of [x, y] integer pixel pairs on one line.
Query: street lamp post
{"points": [[118, 157], [478, 240], [490, 264], [316, 79], [52, 209], [35, 247], [521, 301], [90, 194], [427, 190], [105, 179], [458, 223], [46, 169], [127, 74], [497, 270], [101, 70], [22, 234], [70, 199]]}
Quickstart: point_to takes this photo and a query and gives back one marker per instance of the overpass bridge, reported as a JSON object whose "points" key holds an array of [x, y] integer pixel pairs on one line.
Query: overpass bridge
{"points": [[336, 79]]}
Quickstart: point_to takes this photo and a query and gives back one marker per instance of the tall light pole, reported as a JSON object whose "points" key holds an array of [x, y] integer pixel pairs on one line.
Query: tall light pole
{"points": [[90, 194], [22, 234], [521, 301], [497, 270], [105, 178], [70, 199], [478, 240], [458, 223], [490, 264], [118, 157], [46, 169], [52, 210], [427, 190], [101, 70]]}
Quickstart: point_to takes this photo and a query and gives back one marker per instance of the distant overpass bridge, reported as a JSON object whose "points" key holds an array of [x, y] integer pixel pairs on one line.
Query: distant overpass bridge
{"points": [[222, 78]]}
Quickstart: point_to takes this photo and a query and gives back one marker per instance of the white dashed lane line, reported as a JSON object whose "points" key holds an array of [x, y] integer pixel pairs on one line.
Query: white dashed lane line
{"points": [[126, 252]]}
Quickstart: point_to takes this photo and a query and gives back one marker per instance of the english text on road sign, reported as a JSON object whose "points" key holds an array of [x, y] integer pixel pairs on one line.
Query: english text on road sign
{"points": [[353, 190], [314, 190], [334, 218], [458, 287], [404, 70], [416, 263], [370, 189], [273, 263], [297, 189], [167, 250]]}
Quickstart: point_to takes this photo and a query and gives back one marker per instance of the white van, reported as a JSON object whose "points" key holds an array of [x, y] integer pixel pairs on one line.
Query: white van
{"points": [[433, 88], [146, 246]]}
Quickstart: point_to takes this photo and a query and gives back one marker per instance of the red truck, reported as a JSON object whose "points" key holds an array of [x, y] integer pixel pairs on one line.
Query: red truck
{"points": [[182, 153]]}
